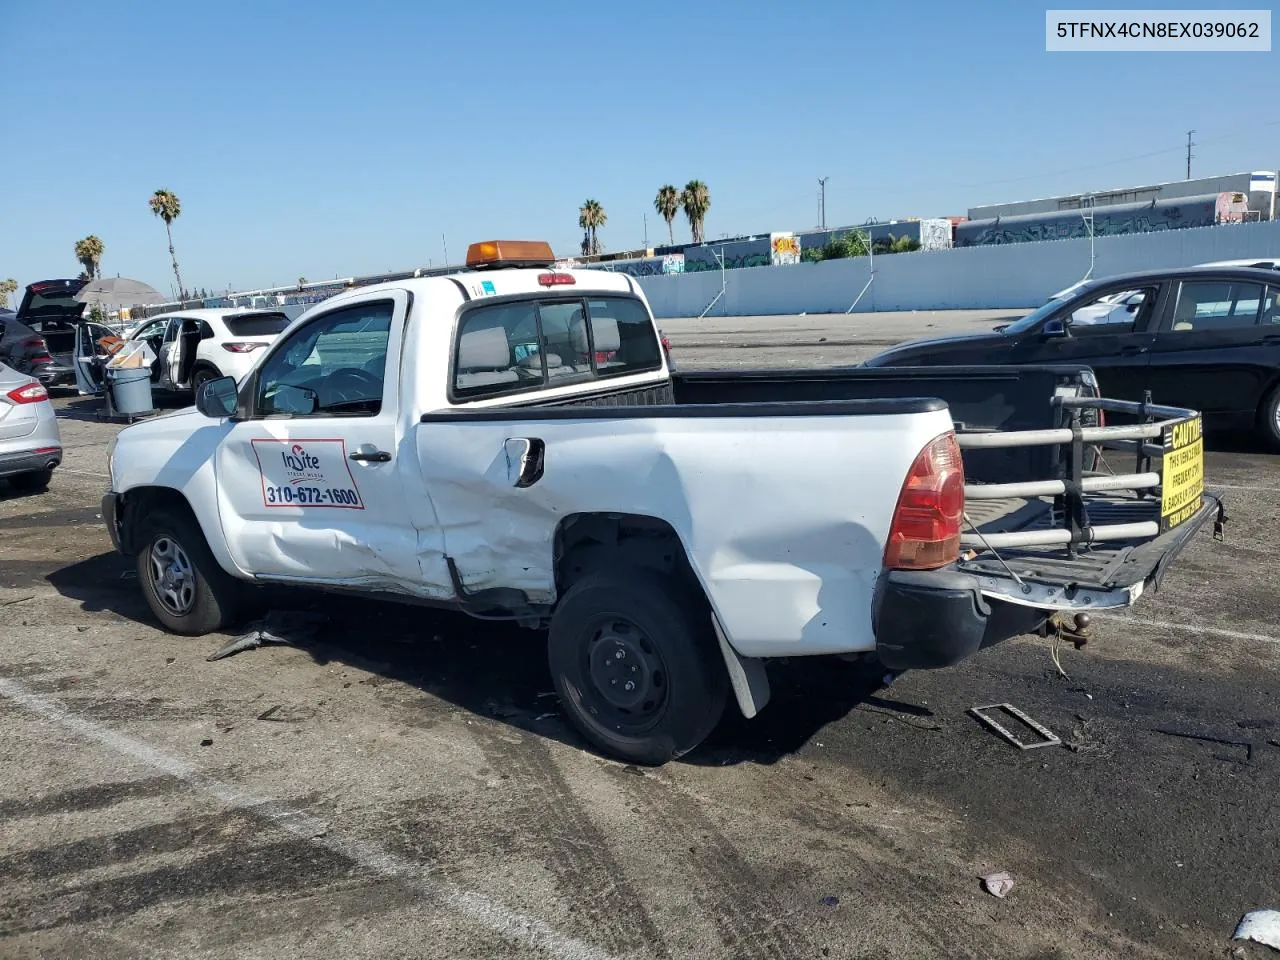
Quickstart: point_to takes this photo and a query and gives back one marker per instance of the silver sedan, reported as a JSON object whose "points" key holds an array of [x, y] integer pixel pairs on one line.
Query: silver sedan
{"points": [[30, 445]]}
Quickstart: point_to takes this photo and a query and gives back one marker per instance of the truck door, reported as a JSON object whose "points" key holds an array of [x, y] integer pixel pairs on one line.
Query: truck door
{"points": [[309, 484], [88, 356]]}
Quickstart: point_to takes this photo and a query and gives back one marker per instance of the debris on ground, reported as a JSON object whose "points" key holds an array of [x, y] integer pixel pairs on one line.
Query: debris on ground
{"points": [[206, 742], [830, 901], [288, 627], [1050, 739], [997, 884], [9, 603], [1260, 926]]}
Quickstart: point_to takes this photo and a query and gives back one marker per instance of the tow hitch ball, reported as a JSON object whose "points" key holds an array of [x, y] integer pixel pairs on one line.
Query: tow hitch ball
{"points": [[1078, 628]]}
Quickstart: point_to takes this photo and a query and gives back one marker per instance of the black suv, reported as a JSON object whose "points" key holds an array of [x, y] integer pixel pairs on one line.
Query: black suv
{"points": [[40, 340]]}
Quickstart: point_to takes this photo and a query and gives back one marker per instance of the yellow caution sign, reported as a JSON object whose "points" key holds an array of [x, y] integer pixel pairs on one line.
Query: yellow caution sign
{"points": [[1182, 480]]}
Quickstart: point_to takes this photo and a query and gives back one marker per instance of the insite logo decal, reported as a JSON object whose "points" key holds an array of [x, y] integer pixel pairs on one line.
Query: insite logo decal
{"points": [[301, 466]]}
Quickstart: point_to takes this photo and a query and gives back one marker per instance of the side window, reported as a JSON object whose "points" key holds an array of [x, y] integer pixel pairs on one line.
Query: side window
{"points": [[1216, 305], [1119, 311], [334, 366], [623, 337], [206, 331]]}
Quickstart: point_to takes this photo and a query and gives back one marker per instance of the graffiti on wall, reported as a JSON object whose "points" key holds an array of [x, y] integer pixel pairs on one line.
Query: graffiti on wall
{"points": [[784, 249], [1154, 217]]}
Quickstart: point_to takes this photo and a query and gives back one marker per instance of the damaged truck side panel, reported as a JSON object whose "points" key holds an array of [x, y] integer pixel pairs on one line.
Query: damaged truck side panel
{"points": [[787, 556]]}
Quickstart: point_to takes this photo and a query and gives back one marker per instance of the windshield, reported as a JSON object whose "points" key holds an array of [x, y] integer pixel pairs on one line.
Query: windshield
{"points": [[257, 324], [1031, 319]]}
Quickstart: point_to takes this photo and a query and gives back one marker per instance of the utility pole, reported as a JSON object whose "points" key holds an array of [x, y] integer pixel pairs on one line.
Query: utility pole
{"points": [[446, 249], [822, 201], [646, 231], [1189, 146]]}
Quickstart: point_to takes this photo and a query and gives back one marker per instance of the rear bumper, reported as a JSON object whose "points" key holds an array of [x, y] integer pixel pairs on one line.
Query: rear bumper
{"points": [[54, 375], [929, 619], [29, 461]]}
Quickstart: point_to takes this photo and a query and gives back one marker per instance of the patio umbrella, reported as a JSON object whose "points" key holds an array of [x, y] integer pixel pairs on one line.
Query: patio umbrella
{"points": [[119, 292]]}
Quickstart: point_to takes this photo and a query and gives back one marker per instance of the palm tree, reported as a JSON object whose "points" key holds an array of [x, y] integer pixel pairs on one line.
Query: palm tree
{"points": [[696, 201], [667, 203], [7, 289], [591, 216], [89, 252], [166, 205]]}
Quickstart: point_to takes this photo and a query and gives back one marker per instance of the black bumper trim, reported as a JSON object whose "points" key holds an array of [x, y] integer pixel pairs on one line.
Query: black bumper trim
{"points": [[928, 619], [110, 516]]}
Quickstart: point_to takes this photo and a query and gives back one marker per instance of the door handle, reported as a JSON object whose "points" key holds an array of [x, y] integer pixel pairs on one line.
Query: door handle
{"points": [[373, 456], [1132, 351], [525, 460]]}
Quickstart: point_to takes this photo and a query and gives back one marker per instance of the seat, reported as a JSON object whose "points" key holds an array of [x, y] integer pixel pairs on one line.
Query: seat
{"points": [[606, 336], [484, 359]]}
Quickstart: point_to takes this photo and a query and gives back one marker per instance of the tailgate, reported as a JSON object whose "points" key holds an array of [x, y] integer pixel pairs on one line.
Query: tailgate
{"points": [[1090, 538]]}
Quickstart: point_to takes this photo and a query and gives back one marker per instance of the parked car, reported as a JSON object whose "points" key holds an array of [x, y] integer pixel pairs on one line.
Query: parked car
{"points": [[191, 346], [1204, 337], [30, 445], [50, 316], [511, 442]]}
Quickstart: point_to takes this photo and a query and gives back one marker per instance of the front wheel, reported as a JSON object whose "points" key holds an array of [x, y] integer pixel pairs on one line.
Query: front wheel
{"points": [[184, 586], [636, 665]]}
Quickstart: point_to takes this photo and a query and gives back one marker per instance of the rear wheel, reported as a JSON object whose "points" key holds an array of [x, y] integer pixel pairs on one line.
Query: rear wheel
{"points": [[184, 586], [1269, 419], [32, 480], [636, 666], [203, 375]]}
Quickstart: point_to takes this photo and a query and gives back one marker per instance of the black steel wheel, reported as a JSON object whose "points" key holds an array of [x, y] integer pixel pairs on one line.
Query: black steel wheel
{"points": [[636, 664]]}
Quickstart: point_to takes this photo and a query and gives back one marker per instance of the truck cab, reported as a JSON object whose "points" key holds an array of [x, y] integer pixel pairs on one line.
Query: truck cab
{"points": [[511, 442]]}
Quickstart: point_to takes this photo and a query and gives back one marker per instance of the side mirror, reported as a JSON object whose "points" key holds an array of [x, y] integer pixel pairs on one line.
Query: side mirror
{"points": [[217, 398], [1054, 330]]}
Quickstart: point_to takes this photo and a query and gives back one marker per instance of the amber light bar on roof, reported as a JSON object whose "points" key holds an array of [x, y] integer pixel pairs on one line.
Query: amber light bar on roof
{"points": [[510, 253]]}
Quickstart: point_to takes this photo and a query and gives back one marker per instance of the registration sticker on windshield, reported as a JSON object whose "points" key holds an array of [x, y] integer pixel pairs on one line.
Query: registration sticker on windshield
{"points": [[306, 473], [1182, 480]]}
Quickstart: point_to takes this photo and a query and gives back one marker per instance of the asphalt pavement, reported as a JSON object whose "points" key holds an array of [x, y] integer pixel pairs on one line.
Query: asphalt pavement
{"points": [[402, 783]]}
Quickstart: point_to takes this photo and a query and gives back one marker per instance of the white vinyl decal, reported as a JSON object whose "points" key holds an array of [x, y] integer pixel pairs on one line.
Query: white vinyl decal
{"points": [[306, 473]]}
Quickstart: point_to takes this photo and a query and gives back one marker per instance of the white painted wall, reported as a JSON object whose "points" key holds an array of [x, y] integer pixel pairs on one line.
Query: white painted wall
{"points": [[1016, 275]]}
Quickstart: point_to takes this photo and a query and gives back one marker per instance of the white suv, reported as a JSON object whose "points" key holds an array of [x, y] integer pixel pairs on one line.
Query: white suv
{"points": [[191, 346]]}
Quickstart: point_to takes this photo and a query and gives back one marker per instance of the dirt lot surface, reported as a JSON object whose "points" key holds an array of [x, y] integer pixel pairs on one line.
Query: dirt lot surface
{"points": [[403, 785]]}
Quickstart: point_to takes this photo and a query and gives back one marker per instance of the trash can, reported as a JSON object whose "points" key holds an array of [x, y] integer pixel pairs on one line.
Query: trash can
{"points": [[130, 389]]}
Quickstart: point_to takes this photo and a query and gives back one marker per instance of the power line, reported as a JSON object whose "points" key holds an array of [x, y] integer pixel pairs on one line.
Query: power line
{"points": [[1107, 163]]}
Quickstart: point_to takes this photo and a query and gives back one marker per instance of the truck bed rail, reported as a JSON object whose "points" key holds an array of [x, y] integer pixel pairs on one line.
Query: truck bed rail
{"points": [[1065, 520]]}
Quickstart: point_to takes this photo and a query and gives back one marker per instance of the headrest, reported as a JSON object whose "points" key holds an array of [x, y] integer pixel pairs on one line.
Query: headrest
{"points": [[485, 349], [603, 329]]}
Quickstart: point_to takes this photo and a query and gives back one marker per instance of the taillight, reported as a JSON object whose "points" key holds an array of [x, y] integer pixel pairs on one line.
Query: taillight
{"points": [[36, 343], [925, 532], [31, 393], [242, 346]]}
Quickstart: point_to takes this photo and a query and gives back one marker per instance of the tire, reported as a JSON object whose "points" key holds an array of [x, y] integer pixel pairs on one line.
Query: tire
{"points": [[33, 480], [204, 597], [632, 625], [1269, 420], [201, 376]]}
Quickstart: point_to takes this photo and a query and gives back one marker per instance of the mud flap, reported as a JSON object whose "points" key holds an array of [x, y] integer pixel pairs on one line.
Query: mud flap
{"points": [[746, 674]]}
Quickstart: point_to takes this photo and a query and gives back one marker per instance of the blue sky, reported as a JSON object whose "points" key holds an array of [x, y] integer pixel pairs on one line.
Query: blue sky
{"points": [[321, 139]]}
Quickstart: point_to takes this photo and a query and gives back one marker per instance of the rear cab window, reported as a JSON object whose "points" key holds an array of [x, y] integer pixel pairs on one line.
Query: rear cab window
{"points": [[527, 345]]}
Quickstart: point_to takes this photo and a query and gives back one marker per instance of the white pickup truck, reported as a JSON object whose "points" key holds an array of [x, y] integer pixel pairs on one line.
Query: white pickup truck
{"points": [[510, 441]]}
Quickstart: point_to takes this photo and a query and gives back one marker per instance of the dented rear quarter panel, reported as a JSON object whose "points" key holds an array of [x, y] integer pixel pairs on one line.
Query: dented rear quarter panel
{"points": [[784, 519]]}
